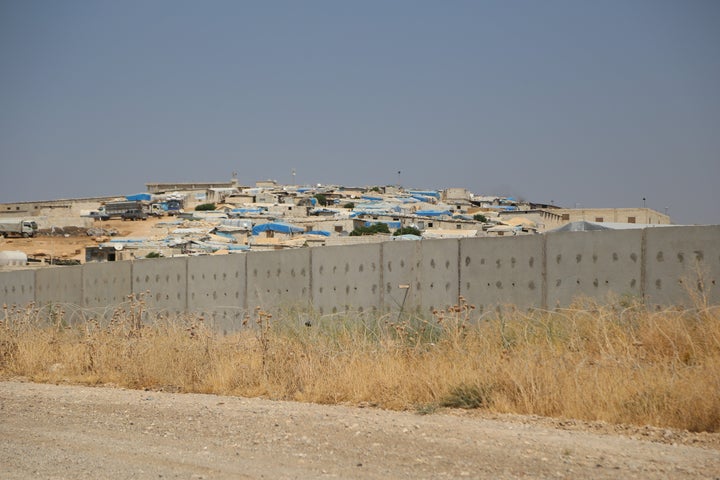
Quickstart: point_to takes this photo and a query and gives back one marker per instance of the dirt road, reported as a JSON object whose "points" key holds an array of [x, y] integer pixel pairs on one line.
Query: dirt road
{"points": [[70, 432]]}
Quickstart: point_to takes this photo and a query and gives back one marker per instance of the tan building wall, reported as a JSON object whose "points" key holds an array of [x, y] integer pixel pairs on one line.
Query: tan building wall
{"points": [[614, 215]]}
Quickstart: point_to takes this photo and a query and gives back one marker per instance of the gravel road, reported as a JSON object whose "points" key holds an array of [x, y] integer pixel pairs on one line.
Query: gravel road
{"points": [[74, 432]]}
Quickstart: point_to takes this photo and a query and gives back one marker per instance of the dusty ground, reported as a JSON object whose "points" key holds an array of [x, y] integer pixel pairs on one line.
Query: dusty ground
{"points": [[71, 432], [70, 242]]}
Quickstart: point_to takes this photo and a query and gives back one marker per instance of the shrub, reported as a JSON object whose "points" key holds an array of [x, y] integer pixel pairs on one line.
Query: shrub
{"points": [[480, 218], [371, 230], [205, 207], [349, 205], [321, 199]]}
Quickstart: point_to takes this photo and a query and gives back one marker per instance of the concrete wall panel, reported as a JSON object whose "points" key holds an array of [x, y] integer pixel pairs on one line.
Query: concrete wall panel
{"points": [[278, 279], [162, 283], [17, 288], [593, 264], [346, 278], [216, 290], [401, 268], [61, 287], [438, 283], [107, 286], [502, 271], [683, 265]]}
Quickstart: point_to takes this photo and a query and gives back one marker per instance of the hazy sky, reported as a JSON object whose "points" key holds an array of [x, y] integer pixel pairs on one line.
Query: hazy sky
{"points": [[584, 103]]}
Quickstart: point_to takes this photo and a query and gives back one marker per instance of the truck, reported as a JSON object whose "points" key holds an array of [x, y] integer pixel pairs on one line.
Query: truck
{"points": [[118, 209], [134, 214], [19, 227]]}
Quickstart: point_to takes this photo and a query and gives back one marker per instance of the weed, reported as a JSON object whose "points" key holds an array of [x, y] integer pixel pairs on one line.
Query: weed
{"points": [[468, 397]]}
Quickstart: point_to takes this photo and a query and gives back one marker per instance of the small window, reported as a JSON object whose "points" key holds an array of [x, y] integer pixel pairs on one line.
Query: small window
{"points": [[500, 234], [566, 216], [631, 219], [289, 208], [338, 228], [598, 219], [457, 207], [430, 224], [458, 226]]}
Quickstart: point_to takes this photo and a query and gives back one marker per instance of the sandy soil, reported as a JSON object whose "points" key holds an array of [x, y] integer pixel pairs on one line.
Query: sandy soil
{"points": [[71, 432]]}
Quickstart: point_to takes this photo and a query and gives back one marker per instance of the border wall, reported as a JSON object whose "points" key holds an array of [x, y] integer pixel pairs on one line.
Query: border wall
{"points": [[662, 266]]}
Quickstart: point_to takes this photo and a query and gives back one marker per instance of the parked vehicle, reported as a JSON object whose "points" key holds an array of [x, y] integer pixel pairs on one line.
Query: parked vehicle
{"points": [[174, 206], [117, 209], [99, 215], [134, 214], [18, 227]]}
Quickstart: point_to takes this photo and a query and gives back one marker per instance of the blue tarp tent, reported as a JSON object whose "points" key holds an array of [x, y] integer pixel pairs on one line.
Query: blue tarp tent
{"points": [[371, 198], [139, 196], [432, 213], [324, 233], [241, 211], [276, 227], [389, 224]]}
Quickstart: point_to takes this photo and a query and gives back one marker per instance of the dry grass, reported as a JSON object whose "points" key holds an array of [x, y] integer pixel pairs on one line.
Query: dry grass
{"points": [[611, 363]]}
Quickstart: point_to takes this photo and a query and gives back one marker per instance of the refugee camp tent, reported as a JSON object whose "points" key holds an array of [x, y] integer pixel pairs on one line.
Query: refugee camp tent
{"points": [[276, 227]]}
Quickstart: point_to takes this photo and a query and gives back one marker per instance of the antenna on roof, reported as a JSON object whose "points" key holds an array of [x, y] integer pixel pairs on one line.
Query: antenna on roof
{"points": [[293, 176]]}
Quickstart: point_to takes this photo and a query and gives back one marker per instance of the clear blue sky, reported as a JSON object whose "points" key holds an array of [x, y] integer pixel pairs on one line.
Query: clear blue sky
{"points": [[589, 103]]}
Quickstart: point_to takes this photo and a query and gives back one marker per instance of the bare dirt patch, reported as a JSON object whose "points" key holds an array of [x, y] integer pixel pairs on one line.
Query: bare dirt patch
{"points": [[59, 431], [70, 242]]}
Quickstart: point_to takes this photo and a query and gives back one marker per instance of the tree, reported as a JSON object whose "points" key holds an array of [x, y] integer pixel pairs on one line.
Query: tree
{"points": [[321, 199], [480, 218]]}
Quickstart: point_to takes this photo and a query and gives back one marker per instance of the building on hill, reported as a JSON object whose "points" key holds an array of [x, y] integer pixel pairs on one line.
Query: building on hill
{"points": [[613, 215]]}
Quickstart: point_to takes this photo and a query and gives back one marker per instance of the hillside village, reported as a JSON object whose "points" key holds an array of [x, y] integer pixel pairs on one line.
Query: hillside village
{"points": [[172, 219]]}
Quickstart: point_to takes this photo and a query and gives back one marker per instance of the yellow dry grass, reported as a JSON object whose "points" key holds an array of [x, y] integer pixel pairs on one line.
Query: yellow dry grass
{"points": [[619, 364]]}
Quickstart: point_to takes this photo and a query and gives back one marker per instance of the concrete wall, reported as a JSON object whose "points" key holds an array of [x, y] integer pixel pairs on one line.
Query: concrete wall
{"points": [[106, 286], [681, 263], [17, 288], [346, 278], [501, 271], [663, 265], [438, 274], [401, 266], [278, 279], [593, 264], [216, 290], [162, 284]]}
